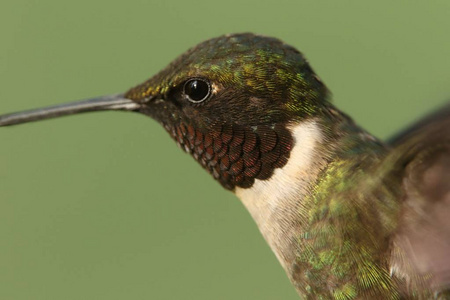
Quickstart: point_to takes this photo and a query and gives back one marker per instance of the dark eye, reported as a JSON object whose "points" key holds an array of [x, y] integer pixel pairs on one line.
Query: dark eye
{"points": [[197, 90]]}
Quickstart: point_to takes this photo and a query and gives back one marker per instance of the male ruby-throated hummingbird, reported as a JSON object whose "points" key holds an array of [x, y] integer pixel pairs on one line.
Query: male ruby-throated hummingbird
{"points": [[347, 215]]}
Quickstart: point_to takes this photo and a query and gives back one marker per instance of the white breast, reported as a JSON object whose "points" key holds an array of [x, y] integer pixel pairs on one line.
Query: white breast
{"points": [[276, 204]]}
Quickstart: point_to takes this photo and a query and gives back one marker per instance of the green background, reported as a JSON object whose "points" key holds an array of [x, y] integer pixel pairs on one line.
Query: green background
{"points": [[105, 206]]}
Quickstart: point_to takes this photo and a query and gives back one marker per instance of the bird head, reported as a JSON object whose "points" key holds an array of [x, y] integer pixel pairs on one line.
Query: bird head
{"points": [[228, 101]]}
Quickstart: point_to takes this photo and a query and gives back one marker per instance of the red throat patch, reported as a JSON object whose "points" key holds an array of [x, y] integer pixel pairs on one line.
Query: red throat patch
{"points": [[236, 155]]}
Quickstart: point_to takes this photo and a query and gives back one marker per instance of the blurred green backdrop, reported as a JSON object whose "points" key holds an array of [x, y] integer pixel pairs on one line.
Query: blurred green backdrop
{"points": [[105, 206]]}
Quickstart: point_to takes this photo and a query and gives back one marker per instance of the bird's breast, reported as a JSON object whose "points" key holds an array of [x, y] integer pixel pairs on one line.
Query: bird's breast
{"points": [[276, 204]]}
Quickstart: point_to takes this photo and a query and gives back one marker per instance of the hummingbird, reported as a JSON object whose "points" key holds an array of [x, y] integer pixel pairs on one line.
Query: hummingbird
{"points": [[348, 216]]}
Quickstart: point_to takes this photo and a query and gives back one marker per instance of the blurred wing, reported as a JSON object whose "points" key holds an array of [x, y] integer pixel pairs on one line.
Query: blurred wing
{"points": [[421, 246], [420, 127]]}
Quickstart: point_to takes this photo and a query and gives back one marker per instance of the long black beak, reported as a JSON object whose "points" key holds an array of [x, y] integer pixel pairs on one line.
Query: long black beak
{"points": [[112, 102]]}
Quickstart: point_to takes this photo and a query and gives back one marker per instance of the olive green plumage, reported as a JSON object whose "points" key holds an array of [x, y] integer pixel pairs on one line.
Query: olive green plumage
{"points": [[351, 220], [242, 67], [348, 219]]}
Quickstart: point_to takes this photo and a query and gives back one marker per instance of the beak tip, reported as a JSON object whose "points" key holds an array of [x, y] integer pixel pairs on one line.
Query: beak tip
{"points": [[112, 102]]}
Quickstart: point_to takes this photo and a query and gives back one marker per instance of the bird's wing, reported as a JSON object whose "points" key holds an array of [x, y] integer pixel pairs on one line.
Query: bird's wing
{"points": [[421, 244], [439, 116]]}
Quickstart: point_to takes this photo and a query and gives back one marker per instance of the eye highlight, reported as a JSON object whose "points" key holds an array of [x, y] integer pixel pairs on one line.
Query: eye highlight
{"points": [[197, 90]]}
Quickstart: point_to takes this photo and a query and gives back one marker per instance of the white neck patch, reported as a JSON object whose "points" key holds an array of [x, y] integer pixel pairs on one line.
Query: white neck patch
{"points": [[276, 204]]}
